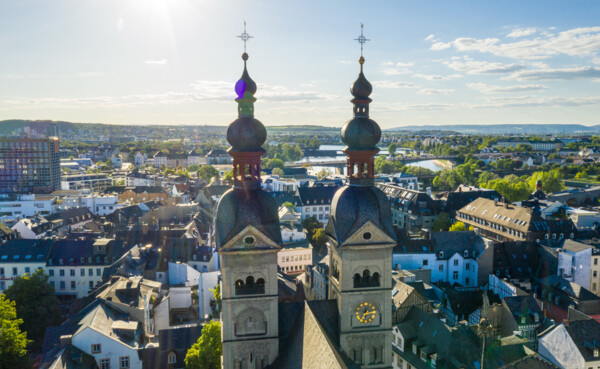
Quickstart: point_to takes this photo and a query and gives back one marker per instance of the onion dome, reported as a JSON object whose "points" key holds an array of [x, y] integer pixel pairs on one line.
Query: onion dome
{"points": [[361, 88], [246, 134], [353, 206], [361, 133]]}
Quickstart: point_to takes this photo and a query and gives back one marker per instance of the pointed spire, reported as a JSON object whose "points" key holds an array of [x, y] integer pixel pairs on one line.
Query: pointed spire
{"points": [[246, 134], [361, 134]]}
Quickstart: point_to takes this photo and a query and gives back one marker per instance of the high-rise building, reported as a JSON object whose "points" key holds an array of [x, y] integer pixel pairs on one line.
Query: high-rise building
{"points": [[29, 165]]}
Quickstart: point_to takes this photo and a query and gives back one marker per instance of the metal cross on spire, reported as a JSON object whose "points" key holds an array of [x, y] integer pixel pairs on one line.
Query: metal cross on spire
{"points": [[361, 39], [245, 36]]}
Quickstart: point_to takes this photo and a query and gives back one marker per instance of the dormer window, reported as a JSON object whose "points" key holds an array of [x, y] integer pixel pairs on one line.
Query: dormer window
{"points": [[597, 352], [440, 254], [466, 253]]}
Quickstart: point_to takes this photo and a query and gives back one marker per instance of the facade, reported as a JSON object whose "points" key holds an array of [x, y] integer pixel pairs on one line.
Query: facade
{"points": [[411, 209], [92, 181], [316, 280], [553, 145], [20, 206], [451, 256], [595, 272], [574, 263], [170, 160], [76, 267], [576, 345], [315, 202], [29, 165], [18, 257], [100, 205], [294, 257], [139, 194], [501, 221], [521, 314], [32, 228]]}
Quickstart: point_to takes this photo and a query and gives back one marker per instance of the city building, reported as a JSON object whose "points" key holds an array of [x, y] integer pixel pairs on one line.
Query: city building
{"points": [[572, 345], [411, 209], [552, 145], [93, 181], [315, 202], [29, 165], [138, 194], [32, 228], [595, 271], [21, 206], [18, 257], [451, 256], [501, 221], [559, 295], [523, 315], [170, 160], [294, 257]]}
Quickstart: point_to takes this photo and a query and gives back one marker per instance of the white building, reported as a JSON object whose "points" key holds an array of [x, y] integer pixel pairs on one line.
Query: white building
{"points": [[76, 267], [139, 159], [110, 340], [141, 179], [295, 256], [93, 181], [98, 204], [575, 346], [574, 263], [32, 228], [18, 257], [451, 256], [315, 202], [26, 206], [584, 219]]}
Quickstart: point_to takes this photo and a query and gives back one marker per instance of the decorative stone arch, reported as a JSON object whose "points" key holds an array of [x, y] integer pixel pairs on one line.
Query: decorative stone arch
{"points": [[367, 276], [250, 321]]}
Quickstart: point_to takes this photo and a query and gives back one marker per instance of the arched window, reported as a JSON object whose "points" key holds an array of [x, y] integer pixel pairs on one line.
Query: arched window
{"points": [[172, 359], [356, 280], [250, 280], [375, 280], [260, 285]]}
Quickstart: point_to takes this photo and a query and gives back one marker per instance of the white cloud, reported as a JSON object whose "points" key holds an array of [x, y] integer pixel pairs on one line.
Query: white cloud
{"points": [[396, 68], [527, 101], [437, 77], [433, 91], [431, 37], [394, 84], [557, 74], [522, 32], [494, 89], [583, 41], [156, 62], [471, 66]]}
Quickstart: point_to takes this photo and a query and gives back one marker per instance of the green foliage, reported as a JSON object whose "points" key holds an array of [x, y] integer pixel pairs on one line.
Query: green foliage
{"points": [[228, 176], [217, 296], [274, 163], [193, 168], [552, 181], [450, 179], [511, 187], [285, 152], [277, 172], [13, 342], [289, 205], [441, 223], [323, 173], [36, 304], [503, 165], [208, 172], [206, 353], [312, 226], [392, 149], [458, 227], [319, 240]]}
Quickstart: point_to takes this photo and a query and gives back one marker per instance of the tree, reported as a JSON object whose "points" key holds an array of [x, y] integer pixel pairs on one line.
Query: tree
{"points": [[277, 172], [441, 223], [228, 176], [13, 342], [289, 205], [36, 304], [323, 173], [274, 163], [206, 353], [208, 172], [193, 168], [392, 149], [217, 296], [458, 227], [319, 239], [551, 180]]}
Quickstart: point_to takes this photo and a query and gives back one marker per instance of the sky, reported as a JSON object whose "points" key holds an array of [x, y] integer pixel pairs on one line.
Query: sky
{"points": [[176, 61]]}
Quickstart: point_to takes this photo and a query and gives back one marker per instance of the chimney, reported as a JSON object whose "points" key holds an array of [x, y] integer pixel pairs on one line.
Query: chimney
{"points": [[65, 341], [459, 188]]}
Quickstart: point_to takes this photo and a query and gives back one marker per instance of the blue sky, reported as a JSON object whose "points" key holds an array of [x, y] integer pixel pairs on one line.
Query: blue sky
{"points": [[177, 61]]}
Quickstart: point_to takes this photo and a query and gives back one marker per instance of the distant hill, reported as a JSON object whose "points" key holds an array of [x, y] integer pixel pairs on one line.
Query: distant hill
{"points": [[505, 129]]}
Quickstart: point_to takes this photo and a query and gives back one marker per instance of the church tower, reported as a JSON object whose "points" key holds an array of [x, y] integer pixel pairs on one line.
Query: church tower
{"points": [[248, 238], [361, 239]]}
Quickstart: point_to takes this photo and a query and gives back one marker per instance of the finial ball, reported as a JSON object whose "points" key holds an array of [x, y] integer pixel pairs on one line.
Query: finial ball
{"points": [[245, 56], [361, 60]]}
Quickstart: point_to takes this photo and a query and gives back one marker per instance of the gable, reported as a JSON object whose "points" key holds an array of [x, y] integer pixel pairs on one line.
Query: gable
{"points": [[368, 234], [240, 241], [558, 348]]}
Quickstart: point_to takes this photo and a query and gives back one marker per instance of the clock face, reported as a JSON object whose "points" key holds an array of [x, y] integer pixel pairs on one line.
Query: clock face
{"points": [[365, 312]]}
